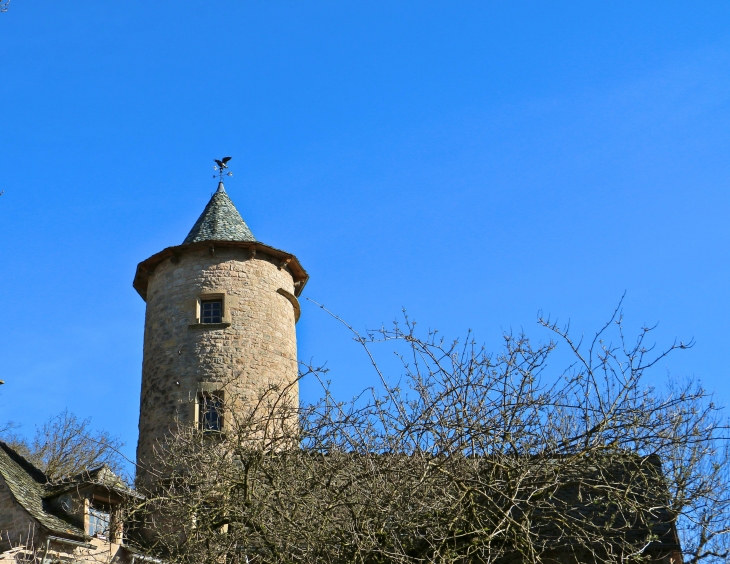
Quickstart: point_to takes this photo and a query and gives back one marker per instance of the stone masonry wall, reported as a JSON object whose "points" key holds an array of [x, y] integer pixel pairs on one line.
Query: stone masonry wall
{"points": [[15, 523], [258, 349]]}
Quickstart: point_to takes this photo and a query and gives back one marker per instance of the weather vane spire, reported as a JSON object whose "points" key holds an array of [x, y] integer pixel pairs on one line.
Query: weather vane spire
{"points": [[222, 166]]}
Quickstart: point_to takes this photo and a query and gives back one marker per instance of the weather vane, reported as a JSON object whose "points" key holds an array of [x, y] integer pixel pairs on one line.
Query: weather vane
{"points": [[221, 166]]}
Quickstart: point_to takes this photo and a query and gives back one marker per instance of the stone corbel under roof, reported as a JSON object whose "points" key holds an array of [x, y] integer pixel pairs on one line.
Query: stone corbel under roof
{"points": [[146, 267]]}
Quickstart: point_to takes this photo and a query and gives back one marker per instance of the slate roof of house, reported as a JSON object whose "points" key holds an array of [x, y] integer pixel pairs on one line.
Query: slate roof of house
{"points": [[584, 496], [220, 221], [570, 495], [28, 485], [31, 489], [102, 476]]}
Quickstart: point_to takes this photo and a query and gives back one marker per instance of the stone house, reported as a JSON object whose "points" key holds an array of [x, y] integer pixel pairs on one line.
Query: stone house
{"points": [[221, 310], [75, 519]]}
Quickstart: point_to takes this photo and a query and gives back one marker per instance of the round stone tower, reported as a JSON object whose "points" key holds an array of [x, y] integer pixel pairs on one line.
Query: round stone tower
{"points": [[219, 326]]}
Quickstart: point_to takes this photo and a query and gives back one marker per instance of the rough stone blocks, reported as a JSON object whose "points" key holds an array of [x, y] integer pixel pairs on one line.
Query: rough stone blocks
{"points": [[253, 348]]}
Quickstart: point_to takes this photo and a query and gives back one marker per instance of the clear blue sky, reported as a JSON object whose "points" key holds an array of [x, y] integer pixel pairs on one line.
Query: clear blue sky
{"points": [[473, 162]]}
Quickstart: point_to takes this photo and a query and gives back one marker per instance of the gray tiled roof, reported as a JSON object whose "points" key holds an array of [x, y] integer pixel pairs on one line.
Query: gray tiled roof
{"points": [[27, 484], [220, 221], [585, 495], [101, 476]]}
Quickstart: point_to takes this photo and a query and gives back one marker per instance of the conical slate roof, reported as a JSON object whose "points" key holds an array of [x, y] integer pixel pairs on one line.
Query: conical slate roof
{"points": [[220, 221]]}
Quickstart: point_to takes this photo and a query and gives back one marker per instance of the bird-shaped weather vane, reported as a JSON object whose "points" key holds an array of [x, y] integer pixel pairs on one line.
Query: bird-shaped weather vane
{"points": [[222, 166]]}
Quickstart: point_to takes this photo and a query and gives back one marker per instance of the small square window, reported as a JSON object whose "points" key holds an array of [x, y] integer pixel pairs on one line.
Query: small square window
{"points": [[211, 311], [210, 415]]}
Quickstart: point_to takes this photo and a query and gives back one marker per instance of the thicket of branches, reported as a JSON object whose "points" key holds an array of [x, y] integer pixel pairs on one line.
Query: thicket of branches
{"points": [[470, 457], [65, 445]]}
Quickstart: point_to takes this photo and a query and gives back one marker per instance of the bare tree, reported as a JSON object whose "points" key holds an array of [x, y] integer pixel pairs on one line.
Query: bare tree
{"points": [[463, 456], [8, 428], [66, 445]]}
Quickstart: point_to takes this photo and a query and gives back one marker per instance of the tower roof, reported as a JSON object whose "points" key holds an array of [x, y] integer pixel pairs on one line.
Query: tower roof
{"points": [[220, 221], [220, 226]]}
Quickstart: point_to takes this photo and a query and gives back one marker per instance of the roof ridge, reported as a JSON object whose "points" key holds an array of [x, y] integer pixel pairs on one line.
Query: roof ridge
{"points": [[83, 475], [36, 473]]}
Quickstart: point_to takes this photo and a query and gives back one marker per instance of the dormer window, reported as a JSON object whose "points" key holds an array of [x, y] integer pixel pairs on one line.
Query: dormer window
{"points": [[211, 311], [99, 519]]}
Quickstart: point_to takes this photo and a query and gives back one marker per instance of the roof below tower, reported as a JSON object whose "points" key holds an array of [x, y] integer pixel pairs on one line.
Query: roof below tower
{"points": [[27, 485], [220, 221]]}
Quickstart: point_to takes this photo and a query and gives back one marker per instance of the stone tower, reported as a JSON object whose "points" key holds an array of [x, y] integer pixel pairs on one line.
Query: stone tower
{"points": [[221, 310]]}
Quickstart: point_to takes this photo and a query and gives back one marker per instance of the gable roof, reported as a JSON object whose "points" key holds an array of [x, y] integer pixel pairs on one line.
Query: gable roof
{"points": [[102, 476], [220, 221], [27, 484]]}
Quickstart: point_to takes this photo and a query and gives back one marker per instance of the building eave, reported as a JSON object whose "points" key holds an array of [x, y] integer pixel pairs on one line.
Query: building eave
{"points": [[287, 260]]}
